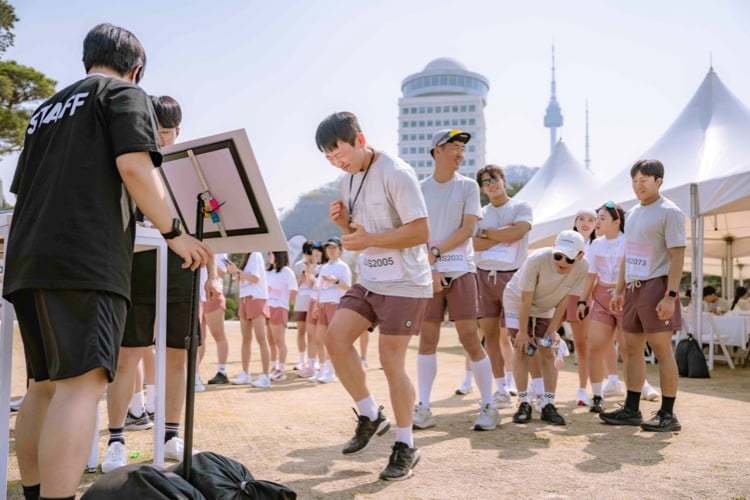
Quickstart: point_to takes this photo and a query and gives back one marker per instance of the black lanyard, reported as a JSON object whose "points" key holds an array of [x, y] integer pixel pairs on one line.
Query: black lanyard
{"points": [[353, 202]]}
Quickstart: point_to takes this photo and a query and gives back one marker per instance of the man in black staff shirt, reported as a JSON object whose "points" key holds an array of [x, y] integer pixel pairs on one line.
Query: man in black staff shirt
{"points": [[87, 151], [139, 327]]}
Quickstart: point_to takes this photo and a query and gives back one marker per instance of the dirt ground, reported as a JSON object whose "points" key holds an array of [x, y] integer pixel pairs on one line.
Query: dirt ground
{"points": [[293, 433]]}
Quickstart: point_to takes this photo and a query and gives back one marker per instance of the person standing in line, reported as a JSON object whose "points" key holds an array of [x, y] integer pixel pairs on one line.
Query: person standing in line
{"points": [[282, 289], [212, 319], [302, 302]]}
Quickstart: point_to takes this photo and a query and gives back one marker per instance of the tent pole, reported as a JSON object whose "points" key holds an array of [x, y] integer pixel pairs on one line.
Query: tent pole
{"points": [[729, 293], [696, 228]]}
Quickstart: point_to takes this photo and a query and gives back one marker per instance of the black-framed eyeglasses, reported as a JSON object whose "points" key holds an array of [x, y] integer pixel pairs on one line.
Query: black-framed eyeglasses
{"points": [[487, 182], [559, 256]]}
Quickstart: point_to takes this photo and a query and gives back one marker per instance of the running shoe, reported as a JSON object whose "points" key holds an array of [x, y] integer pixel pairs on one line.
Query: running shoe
{"points": [[649, 393], [15, 404], [242, 379], [219, 379], [487, 419], [277, 375], [582, 397], [622, 416], [464, 389], [261, 382], [613, 389], [597, 405], [116, 457], [364, 363], [306, 372], [199, 387], [502, 400], [422, 417], [662, 422], [401, 463], [523, 414], [174, 449], [133, 423], [551, 415], [365, 430]]}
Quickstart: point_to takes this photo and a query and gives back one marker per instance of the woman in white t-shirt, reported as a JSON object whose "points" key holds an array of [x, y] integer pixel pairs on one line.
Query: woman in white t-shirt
{"points": [[334, 280], [211, 315], [303, 269], [605, 258], [253, 297], [585, 224], [282, 289]]}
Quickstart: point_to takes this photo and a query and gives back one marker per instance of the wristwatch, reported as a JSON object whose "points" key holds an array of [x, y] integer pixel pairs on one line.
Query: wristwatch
{"points": [[176, 230], [672, 294], [337, 282], [435, 251], [483, 233]]}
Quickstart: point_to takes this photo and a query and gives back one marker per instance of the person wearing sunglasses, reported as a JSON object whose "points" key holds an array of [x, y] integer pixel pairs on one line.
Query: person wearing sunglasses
{"points": [[535, 301], [501, 245], [654, 257], [453, 209]]}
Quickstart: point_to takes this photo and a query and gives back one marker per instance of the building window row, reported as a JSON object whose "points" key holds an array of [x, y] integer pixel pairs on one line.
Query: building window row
{"points": [[438, 123], [430, 163], [464, 108], [444, 80]]}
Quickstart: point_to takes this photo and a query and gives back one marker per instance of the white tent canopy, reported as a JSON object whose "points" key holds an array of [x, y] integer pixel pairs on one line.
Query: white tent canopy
{"points": [[556, 183]]}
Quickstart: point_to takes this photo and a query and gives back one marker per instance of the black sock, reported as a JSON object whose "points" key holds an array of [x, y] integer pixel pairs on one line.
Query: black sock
{"points": [[116, 434], [31, 492], [171, 430], [633, 400], [667, 404]]}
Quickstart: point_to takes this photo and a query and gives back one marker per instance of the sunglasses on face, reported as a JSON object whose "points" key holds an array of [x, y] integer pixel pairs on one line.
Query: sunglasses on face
{"points": [[487, 182], [559, 256]]}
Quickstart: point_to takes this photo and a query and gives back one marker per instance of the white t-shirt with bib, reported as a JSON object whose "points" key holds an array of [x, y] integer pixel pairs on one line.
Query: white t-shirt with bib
{"points": [[504, 256], [256, 267], [605, 257], [329, 292], [280, 286]]}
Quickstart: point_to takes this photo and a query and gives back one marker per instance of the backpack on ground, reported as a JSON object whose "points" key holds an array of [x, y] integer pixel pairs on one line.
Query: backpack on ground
{"points": [[690, 360]]}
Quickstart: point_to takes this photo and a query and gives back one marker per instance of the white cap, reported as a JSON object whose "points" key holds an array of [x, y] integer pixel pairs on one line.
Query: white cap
{"points": [[569, 243]]}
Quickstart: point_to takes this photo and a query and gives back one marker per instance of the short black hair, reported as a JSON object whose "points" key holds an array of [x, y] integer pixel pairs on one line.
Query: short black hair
{"points": [[342, 126], [307, 247], [650, 168], [168, 111], [494, 171], [113, 47], [708, 290]]}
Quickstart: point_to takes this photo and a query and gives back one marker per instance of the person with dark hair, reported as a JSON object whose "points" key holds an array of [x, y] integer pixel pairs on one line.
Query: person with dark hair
{"points": [[740, 299], [211, 313], [710, 300], [138, 342], [89, 151], [334, 280], [502, 246], [585, 223], [605, 257], [253, 300], [385, 217], [282, 288], [652, 267], [453, 210], [312, 370], [302, 269]]}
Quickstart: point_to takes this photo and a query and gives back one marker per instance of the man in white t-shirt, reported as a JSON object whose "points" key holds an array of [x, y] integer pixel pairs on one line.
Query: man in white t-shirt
{"points": [[654, 256], [501, 247], [382, 213], [453, 209], [535, 302]]}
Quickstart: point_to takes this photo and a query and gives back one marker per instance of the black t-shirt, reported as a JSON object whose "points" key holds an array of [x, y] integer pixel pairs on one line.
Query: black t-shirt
{"points": [[73, 224], [179, 280]]}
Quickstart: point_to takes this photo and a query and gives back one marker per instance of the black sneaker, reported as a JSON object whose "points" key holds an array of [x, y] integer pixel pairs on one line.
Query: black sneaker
{"points": [[523, 414], [366, 428], [401, 463], [662, 422], [622, 416], [133, 423], [151, 416], [597, 405], [550, 414], [219, 379]]}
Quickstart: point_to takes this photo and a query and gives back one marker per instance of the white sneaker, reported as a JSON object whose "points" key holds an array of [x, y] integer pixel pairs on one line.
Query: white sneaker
{"points": [[649, 393], [242, 379], [488, 418], [315, 377], [278, 375], [613, 389], [582, 397], [423, 417], [116, 457], [15, 404], [327, 377], [199, 387], [512, 389], [262, 382], [364, 363], [464, 389], [174, 449], [502, 400], [299, 366]]}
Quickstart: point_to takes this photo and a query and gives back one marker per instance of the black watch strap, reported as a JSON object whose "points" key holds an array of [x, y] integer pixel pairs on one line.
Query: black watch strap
{"points": [[672, 294], [176, 230]]}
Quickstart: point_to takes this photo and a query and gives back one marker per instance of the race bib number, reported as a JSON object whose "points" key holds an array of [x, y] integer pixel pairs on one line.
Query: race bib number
{"points": [[378, 264], [637, 260], [505, 253], [454, 261]]}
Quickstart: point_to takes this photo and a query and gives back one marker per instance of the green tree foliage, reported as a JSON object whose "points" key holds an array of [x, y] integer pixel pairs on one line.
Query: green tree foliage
{"points": [[7, 23]]}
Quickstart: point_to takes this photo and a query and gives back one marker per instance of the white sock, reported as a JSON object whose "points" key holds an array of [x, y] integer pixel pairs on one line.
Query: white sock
{"points": [[537, 385], [596, 388], [222, 368], [368, 408], [509, 377], [523, 396], [548, 399], [483, 375], [137, 404], [501, 385], [467, 377], [150, 398], [302, 358], [315, 363], [426, 372], [613, 378], [197, 378], [405, 435]]}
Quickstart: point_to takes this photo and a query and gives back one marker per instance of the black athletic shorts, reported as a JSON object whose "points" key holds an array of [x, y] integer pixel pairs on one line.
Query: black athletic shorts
{"points": [[67, 333], [141, 321]]}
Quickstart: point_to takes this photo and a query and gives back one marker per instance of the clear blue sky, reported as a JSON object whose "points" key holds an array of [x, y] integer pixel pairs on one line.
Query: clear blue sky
{"points": [[277, 68]]}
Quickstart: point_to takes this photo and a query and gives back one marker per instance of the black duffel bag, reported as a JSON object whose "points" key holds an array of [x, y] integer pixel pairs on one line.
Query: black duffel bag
{"points": [[221, 478], [690, 360], [141, 482]]}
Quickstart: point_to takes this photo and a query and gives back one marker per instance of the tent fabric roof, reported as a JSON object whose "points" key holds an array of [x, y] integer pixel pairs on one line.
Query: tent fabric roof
{"points": [[558, 181]]}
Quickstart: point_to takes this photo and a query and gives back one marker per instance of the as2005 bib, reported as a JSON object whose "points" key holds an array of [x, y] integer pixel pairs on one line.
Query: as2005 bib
{"points": [[637, 259], [380, 264], [454, 261]]}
